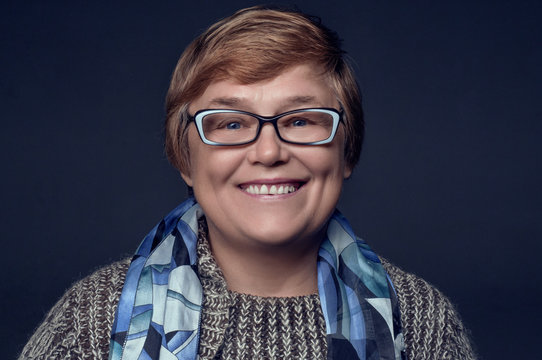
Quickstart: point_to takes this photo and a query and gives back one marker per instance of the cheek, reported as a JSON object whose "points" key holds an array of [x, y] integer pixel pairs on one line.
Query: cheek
{"points": [[327, 168], [213, 166], [330, 160]]}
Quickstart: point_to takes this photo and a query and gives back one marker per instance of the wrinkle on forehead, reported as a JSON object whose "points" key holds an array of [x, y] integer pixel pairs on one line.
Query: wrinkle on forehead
{"points": [[235, 101]]}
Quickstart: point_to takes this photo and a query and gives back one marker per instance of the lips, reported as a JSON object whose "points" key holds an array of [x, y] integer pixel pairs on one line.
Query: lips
{"points": [[271, 188]]}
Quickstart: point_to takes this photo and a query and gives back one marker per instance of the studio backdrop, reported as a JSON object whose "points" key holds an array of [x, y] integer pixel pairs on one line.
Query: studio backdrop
{"points": [[448, 186]]}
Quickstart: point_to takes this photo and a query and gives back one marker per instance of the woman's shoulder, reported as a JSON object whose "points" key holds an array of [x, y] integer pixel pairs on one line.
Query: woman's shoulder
{"points": [[106, 279], [81, 321], [431, 325], [411, 286]]}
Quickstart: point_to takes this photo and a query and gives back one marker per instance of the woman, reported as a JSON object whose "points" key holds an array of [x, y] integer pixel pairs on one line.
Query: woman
{"points": [[264, 123]]}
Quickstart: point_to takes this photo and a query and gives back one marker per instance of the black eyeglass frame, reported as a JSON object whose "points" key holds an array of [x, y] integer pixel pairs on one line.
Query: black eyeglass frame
{"points": [[197, 118]]}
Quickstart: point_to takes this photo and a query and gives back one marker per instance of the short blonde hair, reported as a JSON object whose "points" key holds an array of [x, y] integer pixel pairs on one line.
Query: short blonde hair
{"points": [[253, 45]]}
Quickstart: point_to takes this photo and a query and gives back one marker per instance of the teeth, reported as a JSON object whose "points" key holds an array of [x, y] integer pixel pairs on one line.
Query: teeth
{"points": [[270, 190]]}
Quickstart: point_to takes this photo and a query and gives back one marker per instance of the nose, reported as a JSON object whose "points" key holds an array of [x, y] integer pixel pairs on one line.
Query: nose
{"points": [[268, 149]]}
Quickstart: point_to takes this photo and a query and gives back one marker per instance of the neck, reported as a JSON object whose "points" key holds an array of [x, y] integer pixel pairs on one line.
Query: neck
{"points": [[268, 271]]}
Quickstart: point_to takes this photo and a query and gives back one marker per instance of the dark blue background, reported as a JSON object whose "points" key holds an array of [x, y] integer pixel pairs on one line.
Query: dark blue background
{"points": [[448, 186]]}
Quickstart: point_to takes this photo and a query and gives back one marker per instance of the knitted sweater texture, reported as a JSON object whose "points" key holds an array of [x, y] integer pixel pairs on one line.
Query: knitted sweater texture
{"points": [[238, 326]]}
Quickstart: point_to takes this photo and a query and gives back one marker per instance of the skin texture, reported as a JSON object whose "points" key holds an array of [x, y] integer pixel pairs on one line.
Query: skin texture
{"points": [[267, 245]]}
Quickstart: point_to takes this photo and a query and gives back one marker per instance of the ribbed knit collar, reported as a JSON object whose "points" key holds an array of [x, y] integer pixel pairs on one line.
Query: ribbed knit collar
{"points": [[235, 325]]}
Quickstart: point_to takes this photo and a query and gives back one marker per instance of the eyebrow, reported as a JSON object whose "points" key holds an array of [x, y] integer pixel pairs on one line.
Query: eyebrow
{"points": [[290, 101], [300, 100]]}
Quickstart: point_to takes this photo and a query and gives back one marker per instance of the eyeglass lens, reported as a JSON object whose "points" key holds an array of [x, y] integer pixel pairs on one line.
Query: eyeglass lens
{"points": [[299, 127]]}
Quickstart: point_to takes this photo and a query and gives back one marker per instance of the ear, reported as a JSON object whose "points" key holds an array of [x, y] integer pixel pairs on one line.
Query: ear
{"points": [[187, 178], [347, 171], [183, 165]]}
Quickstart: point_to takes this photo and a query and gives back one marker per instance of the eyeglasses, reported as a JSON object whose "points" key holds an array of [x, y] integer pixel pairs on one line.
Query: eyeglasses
{"points": [[234, 127]]}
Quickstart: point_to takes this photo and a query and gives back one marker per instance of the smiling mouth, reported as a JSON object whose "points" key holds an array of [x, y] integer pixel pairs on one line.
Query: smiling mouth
{"points": [[271, 189]]}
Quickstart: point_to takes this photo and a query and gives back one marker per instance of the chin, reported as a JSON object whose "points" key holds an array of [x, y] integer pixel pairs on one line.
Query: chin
{"points": [[280, 236]]}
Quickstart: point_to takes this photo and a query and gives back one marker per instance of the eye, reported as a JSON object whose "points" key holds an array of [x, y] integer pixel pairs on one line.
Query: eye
{"points": [[298, 122], [233, 126]]}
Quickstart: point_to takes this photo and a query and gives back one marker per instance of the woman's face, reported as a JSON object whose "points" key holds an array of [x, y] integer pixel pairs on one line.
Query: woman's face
{"points": [[221, 175]]}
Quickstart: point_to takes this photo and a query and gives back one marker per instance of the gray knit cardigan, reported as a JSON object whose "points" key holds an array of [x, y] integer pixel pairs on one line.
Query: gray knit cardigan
{"points": [[79, 325]]}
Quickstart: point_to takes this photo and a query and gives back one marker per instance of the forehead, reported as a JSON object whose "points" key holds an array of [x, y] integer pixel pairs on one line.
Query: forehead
{"points": [[299, 86]]}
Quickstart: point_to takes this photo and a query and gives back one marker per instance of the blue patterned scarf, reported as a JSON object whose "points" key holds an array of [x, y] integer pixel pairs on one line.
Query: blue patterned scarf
{"points": [[159, 311]]}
